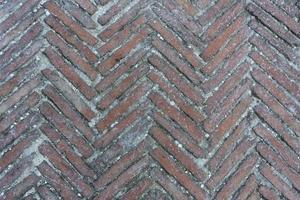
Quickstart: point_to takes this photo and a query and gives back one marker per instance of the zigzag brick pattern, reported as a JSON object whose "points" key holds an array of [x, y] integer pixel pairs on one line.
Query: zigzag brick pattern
{"points": [[149, 99]]}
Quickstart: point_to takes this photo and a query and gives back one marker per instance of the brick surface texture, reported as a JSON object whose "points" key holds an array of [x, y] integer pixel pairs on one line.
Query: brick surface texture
{"points": [[149, 99]]}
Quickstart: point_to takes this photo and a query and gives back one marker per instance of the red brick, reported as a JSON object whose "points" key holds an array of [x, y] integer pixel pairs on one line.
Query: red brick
{"points": [[214, 46], [17, 16], [114, 10], [227, 86], [228, 49], [278, 126], [248, 189], [225, 149], [123, 179], [22, 187], [235, 180], [23, 57], [19, 94], [66, 129], [123, 21], [123, 106], [70, 73], [67, 35], [188, 142], [68, 92], [87, 5], [279, 164], [135, 192], [287, 191], [14, 49], [11, 156], [280, 147], [187, 6], [115, 74], [280, 15], [171, 167], [124, 85], [271, 102], [61, 185], [220, 24], [118, 55], [273, 25], [277, 74], [174, 94], [71, 55], [186, 123], [176, 43], [175, 59], [230, 162], [74, 26], [46, 192], [230, 121], [67, 109], [123, 35], [183, 85], [268, 193], [177, 152], [21, 109], [47, 150], [128, 159]]}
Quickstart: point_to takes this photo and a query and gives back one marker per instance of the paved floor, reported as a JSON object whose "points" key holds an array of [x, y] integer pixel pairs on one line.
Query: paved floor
{"points": [[149, 99]]}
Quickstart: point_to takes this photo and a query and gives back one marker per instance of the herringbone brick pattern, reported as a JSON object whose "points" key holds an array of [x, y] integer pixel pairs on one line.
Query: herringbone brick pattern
{"points": [[149, 99]]}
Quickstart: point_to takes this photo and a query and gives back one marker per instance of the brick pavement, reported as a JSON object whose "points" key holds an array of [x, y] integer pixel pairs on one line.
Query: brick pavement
{"points": [[149, 99]]}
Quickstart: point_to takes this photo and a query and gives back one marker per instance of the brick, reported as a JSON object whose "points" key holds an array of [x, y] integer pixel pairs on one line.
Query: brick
{"points": [[186, 87], [123, 106], [16, 16], [67, 109], [280, 185], [123, 35], [228, 49], [23, 57], [66, 129], [114, 10], [128, 175], [268, 193], [220, 24], [70, 73], [14, 49], [63, 87], [180, 155], [277, 108], [47, 150], [176, 43], [277, 74], [188, 142], [175, 59], [280, 15], [282, 149], [10, 156], [74, 26], [81, 16], [235, 180], [214, 46], [71, 55], [118, 55], [169, 165], [249, 188], [137, 191], [279, 164], [45, 192], [71, 38], [174, 94], [87, 5], [124, 85], [62, 187], [187, 6], [22, 187], [123, 68], [177, 116], [273, 25], [19, 94]]}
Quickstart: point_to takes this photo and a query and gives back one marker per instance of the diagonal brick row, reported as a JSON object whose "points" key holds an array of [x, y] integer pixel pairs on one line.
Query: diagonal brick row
{"points": [[170, 99]]}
